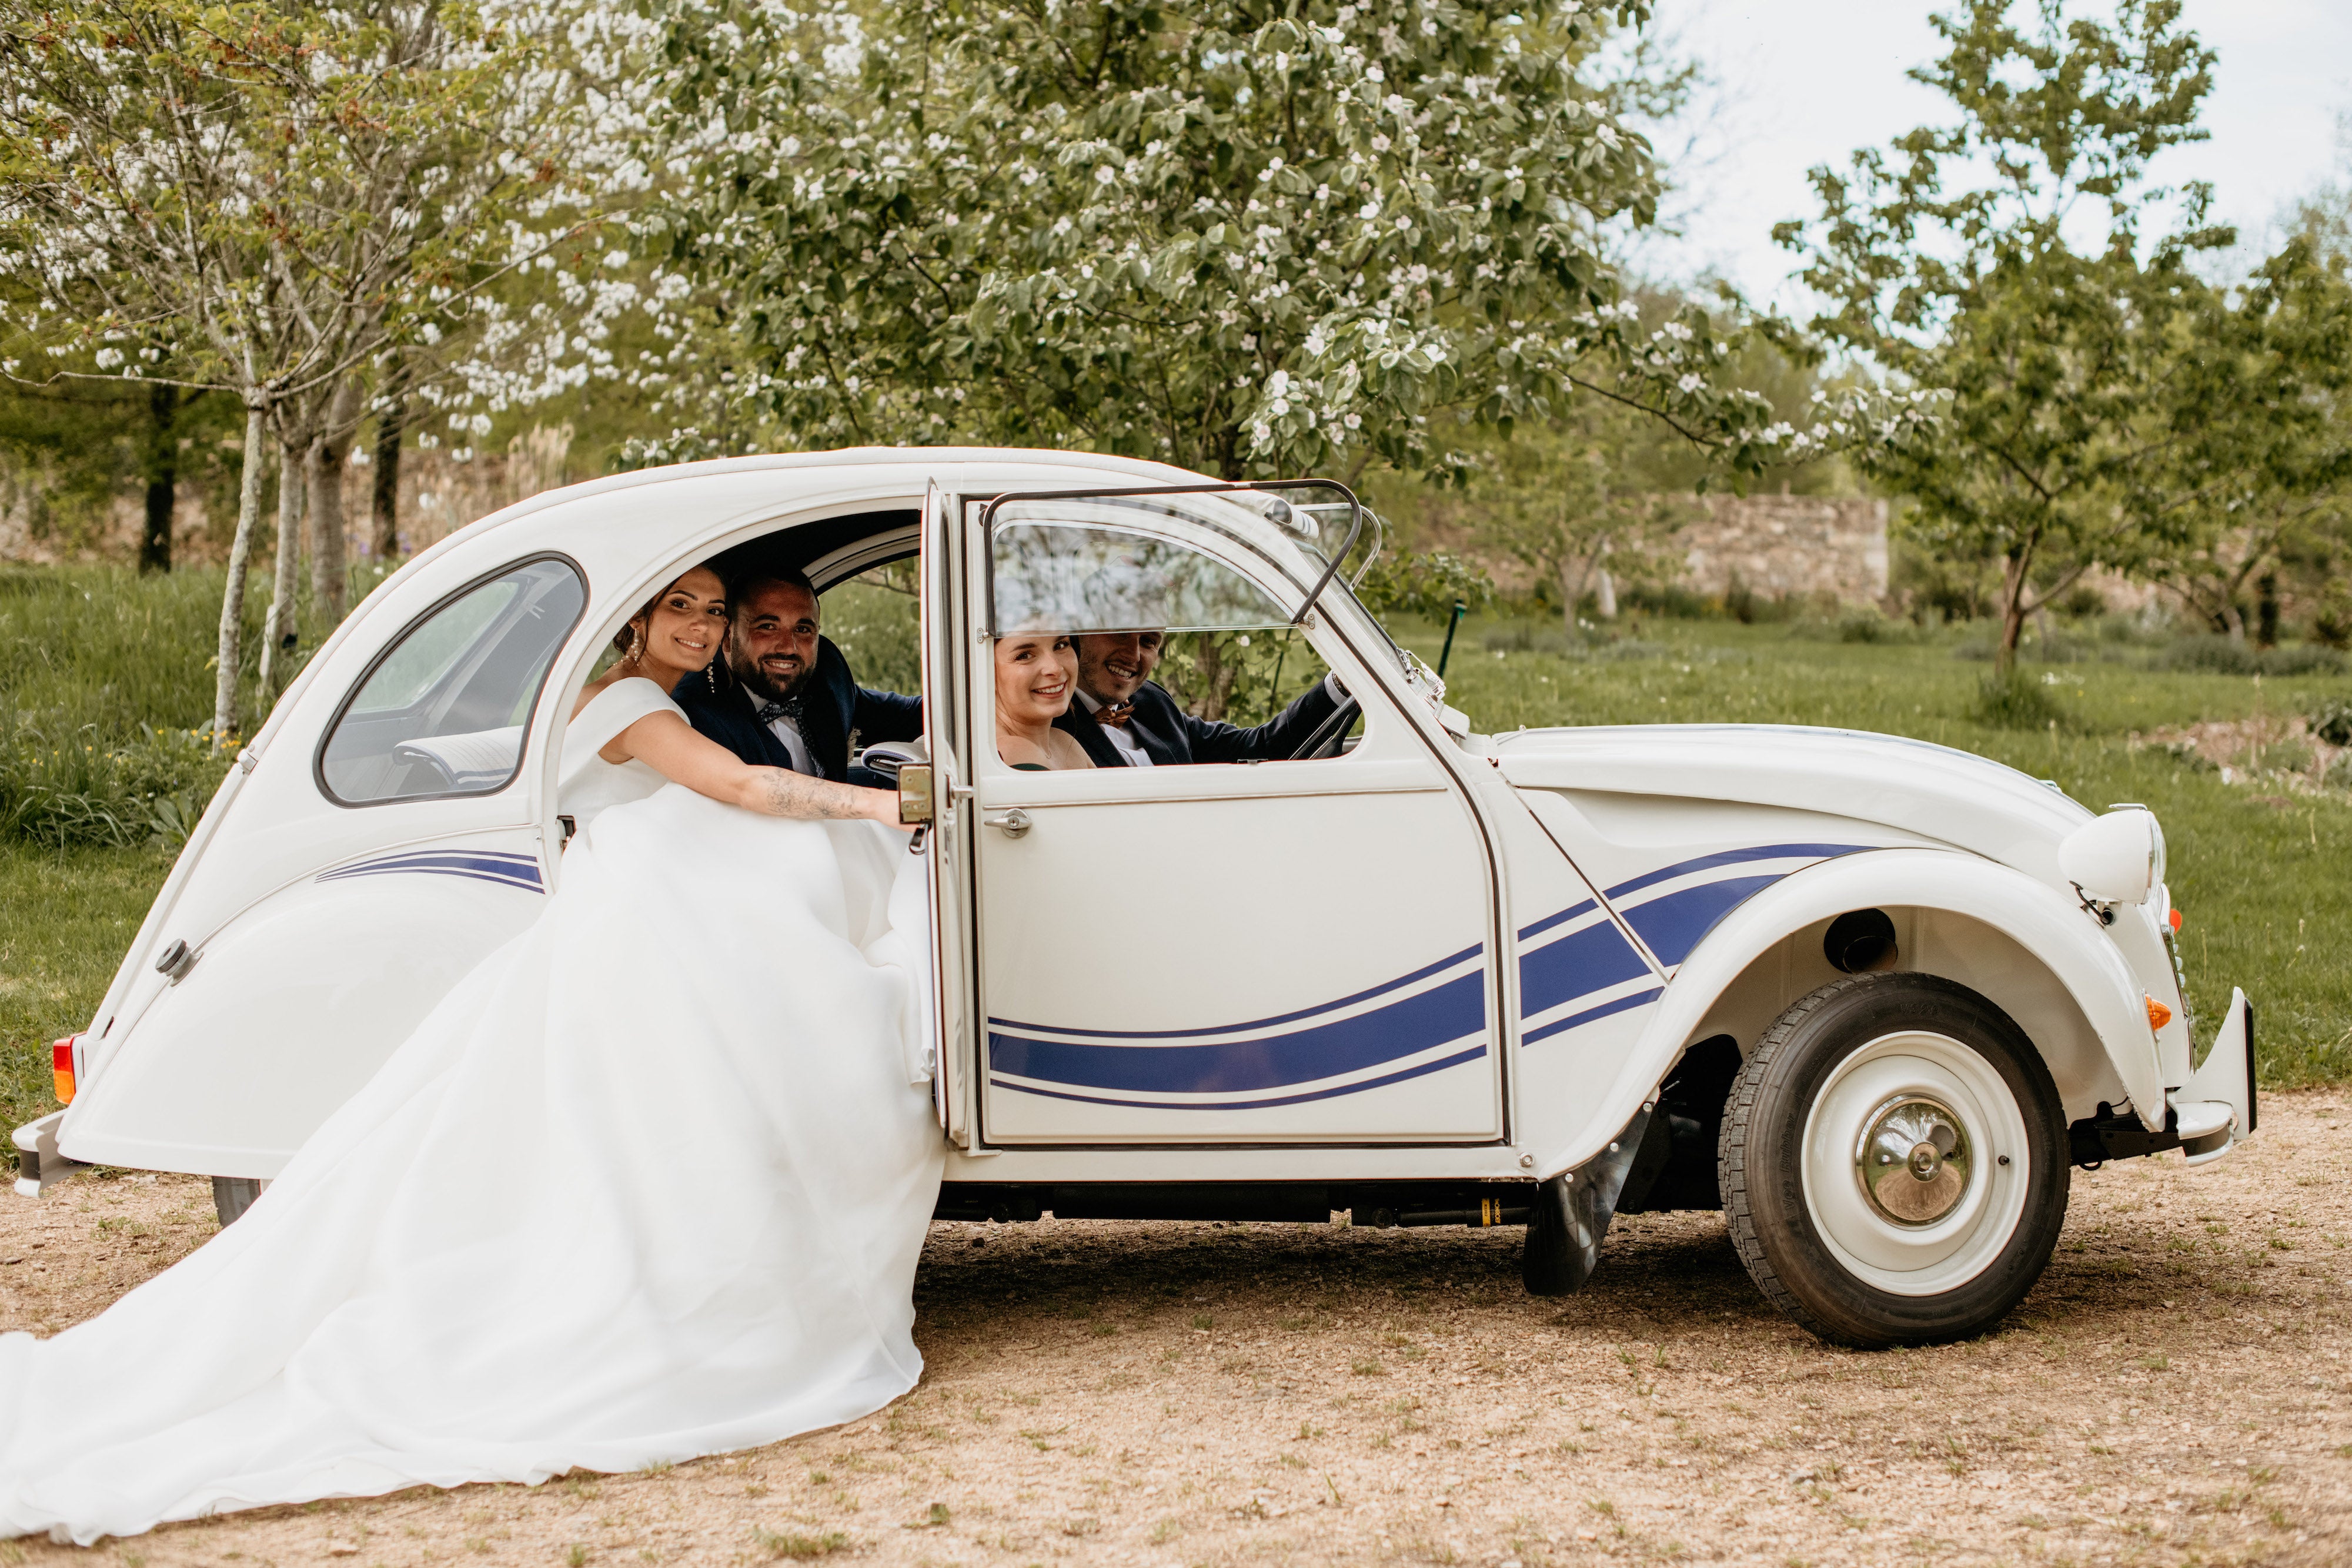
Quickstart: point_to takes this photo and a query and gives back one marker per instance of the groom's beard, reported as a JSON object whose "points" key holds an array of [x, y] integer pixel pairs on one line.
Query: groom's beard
{"points": [[766, 687]]}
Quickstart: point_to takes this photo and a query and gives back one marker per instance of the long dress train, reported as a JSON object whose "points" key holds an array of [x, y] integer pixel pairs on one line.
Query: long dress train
{"points": [[651, 1183]]}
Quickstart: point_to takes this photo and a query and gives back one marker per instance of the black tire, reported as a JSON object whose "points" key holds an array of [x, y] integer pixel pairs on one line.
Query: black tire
{"points": [[232, 1196], [1760, 1165]]}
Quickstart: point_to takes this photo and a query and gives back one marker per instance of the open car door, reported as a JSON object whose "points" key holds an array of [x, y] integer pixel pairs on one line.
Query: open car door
{"points": [[947, 843]]}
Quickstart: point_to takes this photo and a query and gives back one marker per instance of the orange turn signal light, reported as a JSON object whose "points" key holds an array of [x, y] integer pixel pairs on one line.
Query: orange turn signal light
{"points": [[2174, 917], [61, 1068], [2158, 1015]]}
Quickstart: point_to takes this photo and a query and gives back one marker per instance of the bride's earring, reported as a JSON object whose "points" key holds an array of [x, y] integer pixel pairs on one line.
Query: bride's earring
{"points": [[637, 646]]}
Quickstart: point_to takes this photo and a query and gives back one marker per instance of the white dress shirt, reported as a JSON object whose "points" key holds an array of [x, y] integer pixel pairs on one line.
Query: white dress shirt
{"points": [[783, 729], [1121, 735]]}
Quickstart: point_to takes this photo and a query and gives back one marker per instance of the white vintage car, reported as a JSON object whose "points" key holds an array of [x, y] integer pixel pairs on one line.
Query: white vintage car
{"points": [[1874, 998]]}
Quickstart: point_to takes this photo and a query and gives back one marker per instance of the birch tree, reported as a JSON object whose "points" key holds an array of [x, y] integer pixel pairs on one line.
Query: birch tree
{"points": [[270, 198]]}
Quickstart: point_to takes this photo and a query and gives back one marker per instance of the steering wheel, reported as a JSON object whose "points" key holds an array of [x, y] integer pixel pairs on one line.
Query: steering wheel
{"points": [[1328, 735]]}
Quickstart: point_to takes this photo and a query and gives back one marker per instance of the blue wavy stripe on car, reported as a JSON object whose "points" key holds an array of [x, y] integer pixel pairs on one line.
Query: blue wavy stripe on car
{"points": [[1732, 857], [1672, 925], [1424, 972], [1418, 1071], [1563, 918], [1591, 1015], [1405, 1026], [513, 870], [1577, 965]]}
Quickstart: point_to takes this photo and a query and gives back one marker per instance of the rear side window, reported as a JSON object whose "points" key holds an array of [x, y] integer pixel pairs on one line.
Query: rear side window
{"points": [[443, 711]]}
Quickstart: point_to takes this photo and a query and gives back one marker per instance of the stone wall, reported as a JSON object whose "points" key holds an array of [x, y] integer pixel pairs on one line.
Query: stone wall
{"points": [[1786, 544]]}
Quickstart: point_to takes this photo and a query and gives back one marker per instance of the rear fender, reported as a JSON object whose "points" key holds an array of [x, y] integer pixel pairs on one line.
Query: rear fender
{"points": [[2035, 950]]}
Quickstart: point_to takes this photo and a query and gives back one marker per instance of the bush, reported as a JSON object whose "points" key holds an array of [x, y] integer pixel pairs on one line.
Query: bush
{"points": [[62, 784], [1671, 600], [2016, 701], [2226, 657], [1425, 585]]}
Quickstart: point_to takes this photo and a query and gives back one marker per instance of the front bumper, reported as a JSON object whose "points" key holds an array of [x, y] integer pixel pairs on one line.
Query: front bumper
{"points": [[2206, 1117]]}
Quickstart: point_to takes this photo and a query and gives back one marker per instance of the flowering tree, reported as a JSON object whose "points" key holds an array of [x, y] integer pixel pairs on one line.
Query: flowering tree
{"points": [[1238, 241], [278, 199]]}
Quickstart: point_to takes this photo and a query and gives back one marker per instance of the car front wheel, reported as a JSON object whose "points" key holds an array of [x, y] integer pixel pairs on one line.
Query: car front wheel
{"points": [[1893, 1161]]}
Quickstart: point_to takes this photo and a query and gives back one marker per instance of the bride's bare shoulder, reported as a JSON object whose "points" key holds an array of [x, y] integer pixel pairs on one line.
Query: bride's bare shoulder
{"points": [[603, 684]]}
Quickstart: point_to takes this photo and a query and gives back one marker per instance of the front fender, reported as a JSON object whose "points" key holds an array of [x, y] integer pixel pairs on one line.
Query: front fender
{"points": [[2066, 938]]}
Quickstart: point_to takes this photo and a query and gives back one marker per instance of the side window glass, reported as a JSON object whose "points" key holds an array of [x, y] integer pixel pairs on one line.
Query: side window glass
{"points": [[1081, 577], [443, 713]]}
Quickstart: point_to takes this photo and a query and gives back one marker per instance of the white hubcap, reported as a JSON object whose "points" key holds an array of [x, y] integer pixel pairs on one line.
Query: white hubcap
{"points": [[1915, 1164]]}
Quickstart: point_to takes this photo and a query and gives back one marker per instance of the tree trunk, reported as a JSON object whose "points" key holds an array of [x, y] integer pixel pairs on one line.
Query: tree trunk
{"points": [[2013, 584], [240, 552], [1605, 596], [385, 532], [281, 633], [324, 482], [2266, 611], [162, 467]]}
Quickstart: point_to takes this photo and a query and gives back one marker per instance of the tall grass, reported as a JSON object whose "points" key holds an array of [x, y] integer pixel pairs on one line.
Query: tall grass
{"points": [[106, 688]]}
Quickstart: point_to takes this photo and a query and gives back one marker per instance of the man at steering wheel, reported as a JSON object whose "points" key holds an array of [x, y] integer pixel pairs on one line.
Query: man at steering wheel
{"points": [[1126, 719]]}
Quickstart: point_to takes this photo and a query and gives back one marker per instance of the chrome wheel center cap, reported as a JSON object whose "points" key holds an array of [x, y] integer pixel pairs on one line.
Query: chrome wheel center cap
{"points": [[1913, 1160]]}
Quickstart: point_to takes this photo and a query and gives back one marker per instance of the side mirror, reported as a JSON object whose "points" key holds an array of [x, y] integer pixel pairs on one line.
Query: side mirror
{"points": [[915, 793]]}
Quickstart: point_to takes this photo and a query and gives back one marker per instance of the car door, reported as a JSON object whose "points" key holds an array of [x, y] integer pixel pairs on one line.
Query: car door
{"points": [[948, 840], [385, 837], [1282, 951]]}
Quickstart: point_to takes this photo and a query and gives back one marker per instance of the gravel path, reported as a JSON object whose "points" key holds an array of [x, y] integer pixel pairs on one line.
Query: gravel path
{"points": [[2175, 1390]]}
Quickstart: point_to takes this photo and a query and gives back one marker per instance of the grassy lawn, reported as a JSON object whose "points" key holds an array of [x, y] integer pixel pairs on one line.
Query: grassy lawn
{"points": [[2262, 873]]}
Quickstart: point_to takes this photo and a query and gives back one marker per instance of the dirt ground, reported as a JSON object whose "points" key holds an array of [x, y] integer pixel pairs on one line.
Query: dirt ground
{"points": [[2175, 1391]]}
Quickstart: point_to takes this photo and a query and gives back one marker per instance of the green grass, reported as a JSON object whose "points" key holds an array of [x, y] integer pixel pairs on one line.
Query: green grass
{"points": [[66, 916]]}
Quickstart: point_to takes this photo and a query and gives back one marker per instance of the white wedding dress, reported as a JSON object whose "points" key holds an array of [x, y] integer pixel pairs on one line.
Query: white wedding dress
{"points": [[650, 1183]]}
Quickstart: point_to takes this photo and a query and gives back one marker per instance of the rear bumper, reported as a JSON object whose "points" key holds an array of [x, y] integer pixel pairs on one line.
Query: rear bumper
{"points": [[39, 1166]]}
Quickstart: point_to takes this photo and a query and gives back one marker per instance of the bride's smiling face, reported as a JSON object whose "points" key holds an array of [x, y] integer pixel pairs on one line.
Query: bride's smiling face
{"points": [[1036, 674], [689, 622]]}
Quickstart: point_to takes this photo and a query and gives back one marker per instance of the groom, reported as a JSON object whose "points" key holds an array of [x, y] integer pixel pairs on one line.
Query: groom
{"points": [[787, 698], [1126, 719]]}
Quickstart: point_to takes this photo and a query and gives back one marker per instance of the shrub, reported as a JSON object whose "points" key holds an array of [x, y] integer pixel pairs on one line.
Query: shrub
{"points": [[2227, 656], [2331, 720], [1425, 585], [62, 783], [2016, 701]]}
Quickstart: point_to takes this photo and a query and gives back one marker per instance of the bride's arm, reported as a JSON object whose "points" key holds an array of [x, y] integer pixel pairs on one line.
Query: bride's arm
{"points": [[674, 749]]}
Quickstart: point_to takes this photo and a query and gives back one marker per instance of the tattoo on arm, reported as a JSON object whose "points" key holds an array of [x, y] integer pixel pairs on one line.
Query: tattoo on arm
{"points": [[789, 794]]}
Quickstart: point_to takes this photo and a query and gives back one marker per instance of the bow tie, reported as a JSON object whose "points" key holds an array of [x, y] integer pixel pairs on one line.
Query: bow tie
{"points": [[1114, 713], [789, 708]]}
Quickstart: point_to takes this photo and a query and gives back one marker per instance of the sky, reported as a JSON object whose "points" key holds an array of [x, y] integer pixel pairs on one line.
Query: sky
{"points": [[1802, 82]]}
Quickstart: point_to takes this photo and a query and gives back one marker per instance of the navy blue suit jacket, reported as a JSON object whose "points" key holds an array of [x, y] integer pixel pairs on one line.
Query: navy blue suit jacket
{"points": [[834, 707], [1172, 738]]}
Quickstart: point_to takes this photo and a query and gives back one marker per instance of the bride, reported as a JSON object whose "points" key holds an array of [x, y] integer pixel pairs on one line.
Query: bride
{"points": [[650, 1184]]}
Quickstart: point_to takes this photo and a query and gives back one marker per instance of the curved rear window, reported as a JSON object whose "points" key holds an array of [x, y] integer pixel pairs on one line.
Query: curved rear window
{"points": [[443, 711]]}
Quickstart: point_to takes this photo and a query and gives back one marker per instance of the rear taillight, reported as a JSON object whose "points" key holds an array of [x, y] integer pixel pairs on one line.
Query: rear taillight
{"points": [[61, 1068]]}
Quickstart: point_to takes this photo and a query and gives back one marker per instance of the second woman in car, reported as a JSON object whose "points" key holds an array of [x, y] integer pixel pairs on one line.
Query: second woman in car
{"points": [[1036, 676]]}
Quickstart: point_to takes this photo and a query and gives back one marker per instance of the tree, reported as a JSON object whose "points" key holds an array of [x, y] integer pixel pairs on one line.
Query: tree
{"points": [[1241, 241], [2001, 261], [270, 198], [2255, 471]]}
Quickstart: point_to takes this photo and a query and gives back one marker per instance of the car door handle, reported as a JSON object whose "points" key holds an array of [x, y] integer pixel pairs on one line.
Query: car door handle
{"points": [[1014, 822]]}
